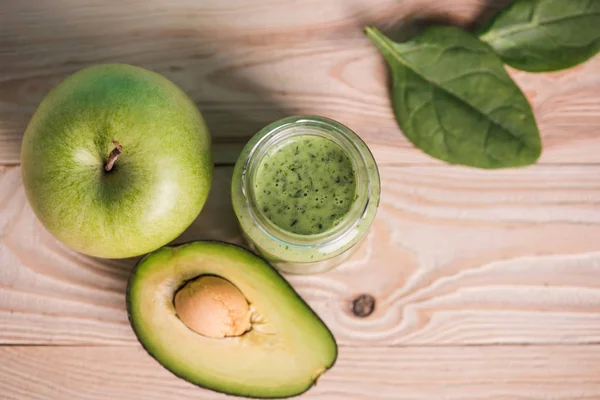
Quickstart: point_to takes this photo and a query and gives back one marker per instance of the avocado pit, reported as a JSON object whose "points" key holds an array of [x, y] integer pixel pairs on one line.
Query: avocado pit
{"points": [[213, 307]]}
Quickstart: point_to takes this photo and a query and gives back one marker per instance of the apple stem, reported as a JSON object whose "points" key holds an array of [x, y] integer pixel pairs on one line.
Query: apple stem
{"points": [[112, 157]]}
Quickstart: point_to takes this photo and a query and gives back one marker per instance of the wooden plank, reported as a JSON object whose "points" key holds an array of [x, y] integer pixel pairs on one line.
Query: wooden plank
{"points": [[505, 372], [455, 256], [246, 63]]}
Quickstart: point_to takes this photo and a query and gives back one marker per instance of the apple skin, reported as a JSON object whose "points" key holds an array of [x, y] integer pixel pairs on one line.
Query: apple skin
{"points": [[159, 183]]}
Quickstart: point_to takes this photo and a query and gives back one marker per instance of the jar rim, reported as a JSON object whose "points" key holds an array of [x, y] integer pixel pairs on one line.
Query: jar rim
{"points": [[284, 130]]}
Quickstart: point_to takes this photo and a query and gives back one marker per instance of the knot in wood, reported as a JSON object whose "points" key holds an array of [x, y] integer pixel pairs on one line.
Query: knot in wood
{"points": [[363, 305]]}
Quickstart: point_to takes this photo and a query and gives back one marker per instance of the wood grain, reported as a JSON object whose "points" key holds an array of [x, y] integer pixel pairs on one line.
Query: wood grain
{"points": [[505, 372], [246, 63], [455, 256], [487, 283]]}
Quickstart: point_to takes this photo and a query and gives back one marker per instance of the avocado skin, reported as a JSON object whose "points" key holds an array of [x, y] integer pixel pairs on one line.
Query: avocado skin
{"points": [[283, 281]]}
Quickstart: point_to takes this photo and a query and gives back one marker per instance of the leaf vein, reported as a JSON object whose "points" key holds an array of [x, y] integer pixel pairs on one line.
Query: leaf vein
{"points": [[443, 129], [416, 110], [470, 73], [503, 33], [501, 106]]}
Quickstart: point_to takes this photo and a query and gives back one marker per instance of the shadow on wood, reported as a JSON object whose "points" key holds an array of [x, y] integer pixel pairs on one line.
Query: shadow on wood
{"points": [[44, 51]]}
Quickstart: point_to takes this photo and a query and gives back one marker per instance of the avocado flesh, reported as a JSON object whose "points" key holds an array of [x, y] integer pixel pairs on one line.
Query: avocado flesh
{"points": [[283, 354]]}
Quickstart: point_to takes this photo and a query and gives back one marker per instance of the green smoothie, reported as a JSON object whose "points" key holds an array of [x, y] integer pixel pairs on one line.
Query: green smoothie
{"points": [[305, 190], [305, 185]]}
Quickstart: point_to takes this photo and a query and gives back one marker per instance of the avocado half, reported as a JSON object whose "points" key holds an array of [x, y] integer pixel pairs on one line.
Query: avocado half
{"points": [[282, 355]]}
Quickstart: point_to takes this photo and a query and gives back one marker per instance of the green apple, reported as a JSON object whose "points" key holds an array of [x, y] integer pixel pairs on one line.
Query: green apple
{"points": [[116, 161]]}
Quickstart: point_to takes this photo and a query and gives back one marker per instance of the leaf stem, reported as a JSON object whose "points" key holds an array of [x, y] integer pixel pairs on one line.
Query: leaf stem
{"points": [[383, 44], [376, 36]]}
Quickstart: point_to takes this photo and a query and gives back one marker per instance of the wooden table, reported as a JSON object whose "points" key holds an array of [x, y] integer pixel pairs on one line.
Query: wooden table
{"points": [[487, 283]]}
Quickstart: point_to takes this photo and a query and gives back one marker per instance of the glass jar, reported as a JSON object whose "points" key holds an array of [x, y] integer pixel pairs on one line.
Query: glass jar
{"points": [[304, 253]]}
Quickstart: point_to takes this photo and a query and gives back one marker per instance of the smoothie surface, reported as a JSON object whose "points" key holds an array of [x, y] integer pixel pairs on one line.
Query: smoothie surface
{"points": [[305, 185]]}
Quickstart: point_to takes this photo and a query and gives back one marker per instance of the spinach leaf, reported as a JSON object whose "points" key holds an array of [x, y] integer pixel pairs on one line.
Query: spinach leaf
{"points": [[545, 35], [454, 100]]}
